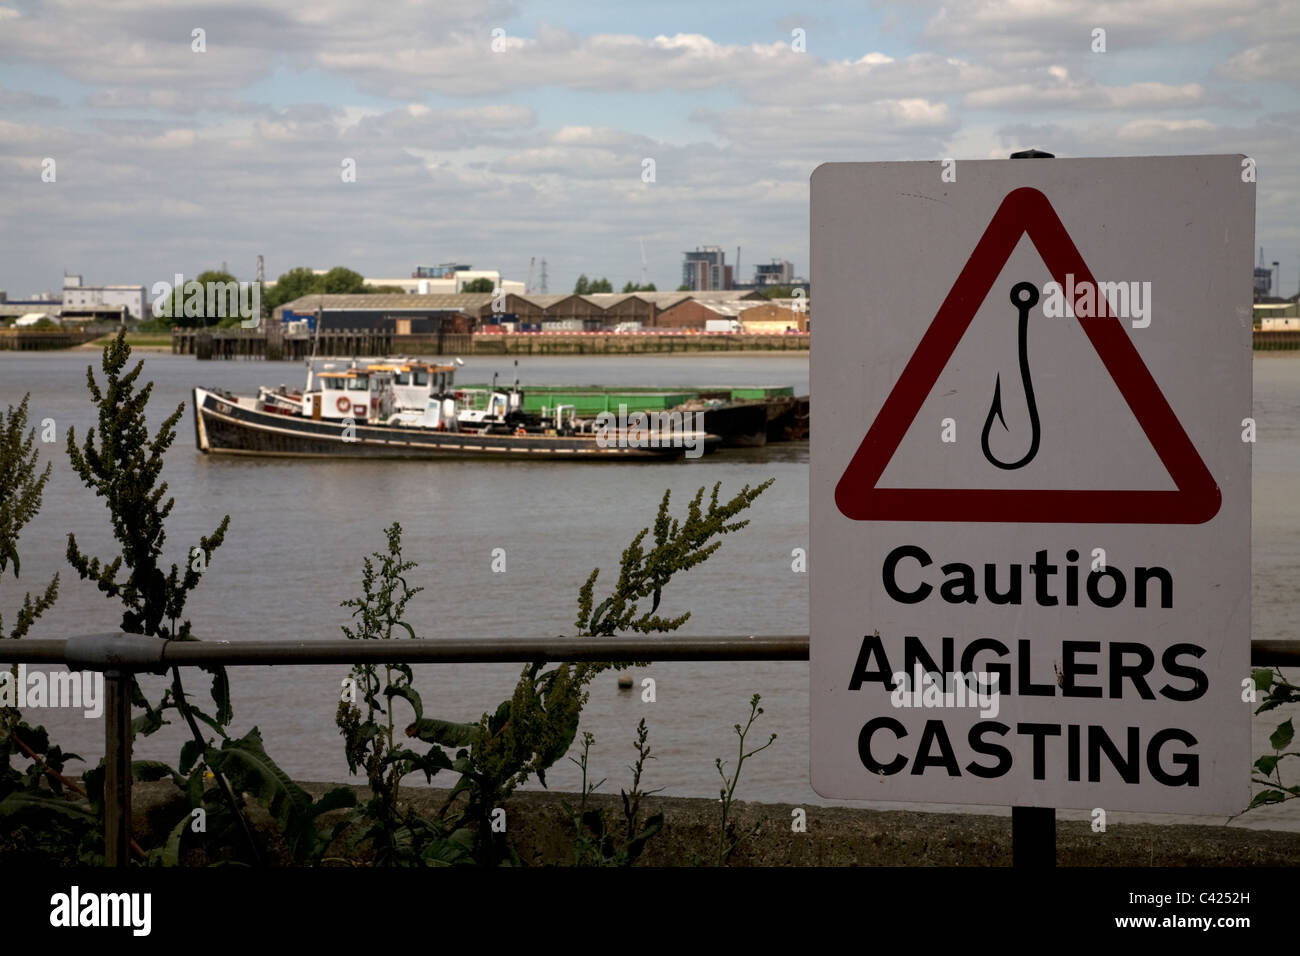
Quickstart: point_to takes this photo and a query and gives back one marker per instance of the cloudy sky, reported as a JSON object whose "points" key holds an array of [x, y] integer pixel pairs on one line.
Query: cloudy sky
{"points": [[169, 160]]}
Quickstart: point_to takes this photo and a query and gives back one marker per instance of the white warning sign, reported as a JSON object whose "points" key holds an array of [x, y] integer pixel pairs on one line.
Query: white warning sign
{"points": [[1030, 561]]}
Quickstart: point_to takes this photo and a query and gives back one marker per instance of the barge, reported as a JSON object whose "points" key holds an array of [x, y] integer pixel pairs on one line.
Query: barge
{"points": [[404, 409], [740, 416]]}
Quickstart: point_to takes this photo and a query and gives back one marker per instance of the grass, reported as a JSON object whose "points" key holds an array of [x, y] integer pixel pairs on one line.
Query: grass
{"points": [[144, 339]]}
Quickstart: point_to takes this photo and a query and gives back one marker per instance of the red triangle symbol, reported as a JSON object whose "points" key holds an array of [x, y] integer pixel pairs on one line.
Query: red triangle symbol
{"points": [[1026, 211]]}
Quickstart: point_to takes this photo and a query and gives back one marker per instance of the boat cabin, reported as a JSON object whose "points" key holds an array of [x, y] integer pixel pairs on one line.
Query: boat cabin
{"points": [[415, 383], [356, 393]]}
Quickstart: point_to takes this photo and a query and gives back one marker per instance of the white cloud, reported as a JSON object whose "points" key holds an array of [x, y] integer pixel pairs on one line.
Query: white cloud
{"points": [[1090, 95], [1276, 61], [454, 157], [1058, 26]]}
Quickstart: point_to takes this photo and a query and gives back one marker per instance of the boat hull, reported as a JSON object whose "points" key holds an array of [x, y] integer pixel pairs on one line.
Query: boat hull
{"points": [[739, 424], [224, 426]]}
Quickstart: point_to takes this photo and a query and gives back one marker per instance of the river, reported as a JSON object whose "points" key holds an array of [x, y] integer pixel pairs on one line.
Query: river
{"points": [[299, 530]]}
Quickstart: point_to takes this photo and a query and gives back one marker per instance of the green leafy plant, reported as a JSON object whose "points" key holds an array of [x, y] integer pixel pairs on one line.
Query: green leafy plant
{"points": [[21, 490], [596, 842], [32, 800], [399, 837], [123, 467], [527, 734], [728, 839], [1277, 690], [248, 767], [122, 463]]}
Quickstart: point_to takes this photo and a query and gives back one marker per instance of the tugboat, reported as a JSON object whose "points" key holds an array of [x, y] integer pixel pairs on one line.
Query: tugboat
{"points": [[414, 383], [406, 409]]}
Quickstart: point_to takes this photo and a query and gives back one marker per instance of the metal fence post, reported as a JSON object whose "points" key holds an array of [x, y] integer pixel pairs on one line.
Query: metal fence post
{"points": [[117, 768], [1033, 829], [1033, 837]]}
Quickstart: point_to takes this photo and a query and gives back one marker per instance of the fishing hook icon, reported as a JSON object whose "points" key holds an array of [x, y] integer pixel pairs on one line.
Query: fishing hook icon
{"points": [[1024, 295]]}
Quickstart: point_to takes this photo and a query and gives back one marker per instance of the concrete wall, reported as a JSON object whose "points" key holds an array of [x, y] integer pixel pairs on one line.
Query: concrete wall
{"points": [[1279, 325], [773, 318]]}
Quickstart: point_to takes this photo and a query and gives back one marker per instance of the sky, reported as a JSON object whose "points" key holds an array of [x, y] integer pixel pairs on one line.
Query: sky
{"points": [[491, 132]]}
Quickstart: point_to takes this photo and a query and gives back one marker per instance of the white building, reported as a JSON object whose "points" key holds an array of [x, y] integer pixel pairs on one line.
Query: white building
{"points": [[79, 298], [448, 282], [452, 283]]}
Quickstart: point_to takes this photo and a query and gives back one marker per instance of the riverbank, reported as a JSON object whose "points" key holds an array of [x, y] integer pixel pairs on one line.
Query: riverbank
{"points": [[234, 343], [542, 833], [142, 342], [273, 344]]}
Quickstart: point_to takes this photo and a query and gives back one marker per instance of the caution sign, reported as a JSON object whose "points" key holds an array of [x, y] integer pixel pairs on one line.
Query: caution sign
{"points": [[1030, 499]]}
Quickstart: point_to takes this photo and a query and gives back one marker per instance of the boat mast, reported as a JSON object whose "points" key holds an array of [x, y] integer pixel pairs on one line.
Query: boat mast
{"points": [[315, 341]]}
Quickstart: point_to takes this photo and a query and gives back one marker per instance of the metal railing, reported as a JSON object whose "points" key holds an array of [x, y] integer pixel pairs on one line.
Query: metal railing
{"points": [[119, 656]]}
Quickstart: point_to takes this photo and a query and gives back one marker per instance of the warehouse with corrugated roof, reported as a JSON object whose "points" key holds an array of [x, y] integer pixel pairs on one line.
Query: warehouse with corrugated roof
{"points": [[474, 311]]}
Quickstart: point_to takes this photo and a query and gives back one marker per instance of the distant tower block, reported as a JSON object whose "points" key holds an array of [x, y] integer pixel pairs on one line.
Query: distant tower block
{"points": [[543, 281]]}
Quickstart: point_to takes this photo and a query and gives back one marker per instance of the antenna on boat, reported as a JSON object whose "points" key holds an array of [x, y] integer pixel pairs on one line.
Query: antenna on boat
{"points": [[315, 341]]}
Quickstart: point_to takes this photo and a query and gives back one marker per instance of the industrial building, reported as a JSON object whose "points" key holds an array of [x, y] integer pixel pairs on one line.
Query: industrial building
{"points": [[92, 303], [755, 314], [398, 313], [13, 309], [775, 317], [566, 312]]}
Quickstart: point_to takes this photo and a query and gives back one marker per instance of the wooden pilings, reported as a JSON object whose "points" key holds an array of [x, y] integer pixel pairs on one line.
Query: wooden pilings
{"points": [[39, 340], [1273, 341], [275, 345]]}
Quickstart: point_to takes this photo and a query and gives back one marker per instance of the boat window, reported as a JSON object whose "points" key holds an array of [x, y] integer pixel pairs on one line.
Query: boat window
{"points": [[359, 384], [421, 377], [332, 382], [404, 379]]}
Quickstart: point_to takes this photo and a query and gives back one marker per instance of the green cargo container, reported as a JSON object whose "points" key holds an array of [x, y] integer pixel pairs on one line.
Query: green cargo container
{"points": [[750, 394], [590, 400], [593, 403]]}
